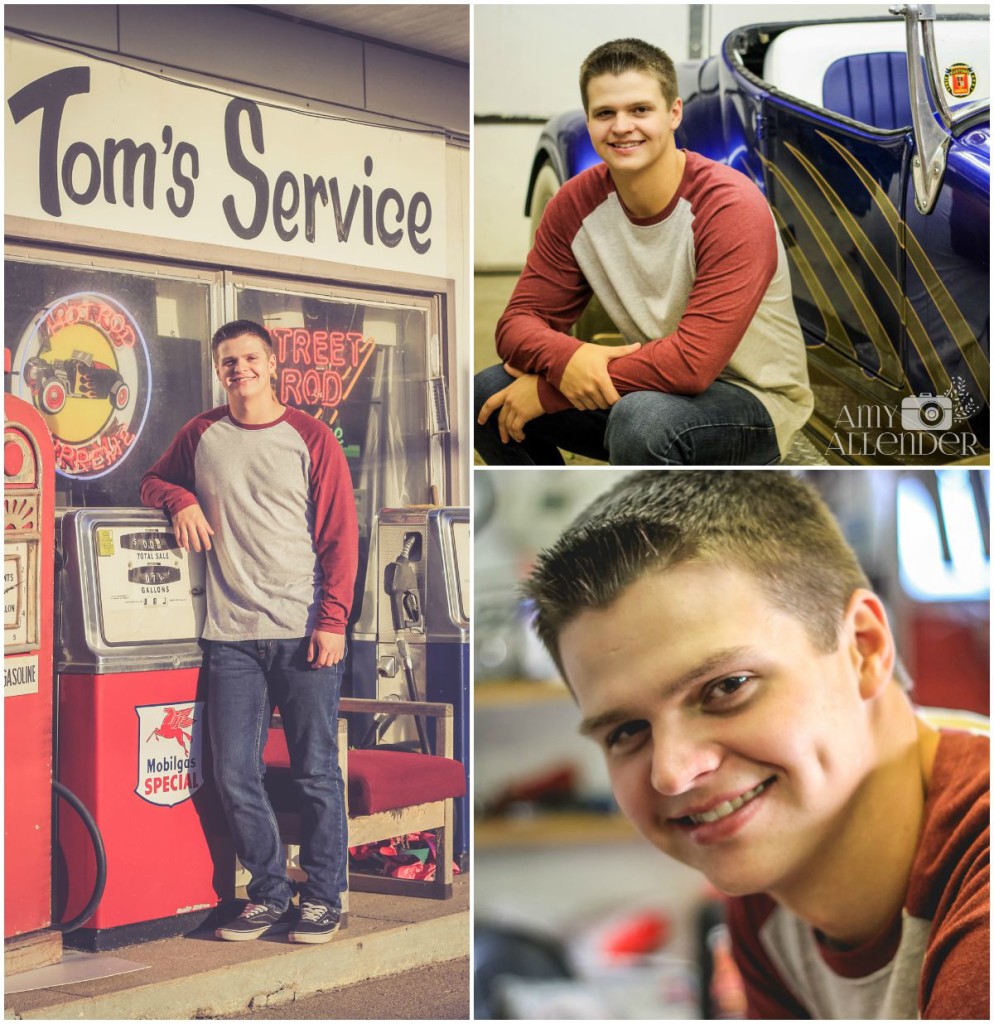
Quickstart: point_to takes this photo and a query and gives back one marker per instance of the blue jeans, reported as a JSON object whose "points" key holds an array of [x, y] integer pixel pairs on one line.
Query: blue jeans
{"points": [[247, 679], [724, 426]]}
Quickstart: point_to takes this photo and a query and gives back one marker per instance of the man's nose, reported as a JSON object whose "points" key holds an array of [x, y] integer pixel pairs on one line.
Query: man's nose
{"points": [[622, 123], [681, 760]]}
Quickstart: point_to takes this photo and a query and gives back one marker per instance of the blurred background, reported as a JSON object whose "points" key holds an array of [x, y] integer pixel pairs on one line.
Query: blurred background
{"points": [[577, 917]]}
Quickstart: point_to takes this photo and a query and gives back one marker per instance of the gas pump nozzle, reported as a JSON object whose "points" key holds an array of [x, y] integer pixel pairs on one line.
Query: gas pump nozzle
{"points": [[402, 586]]}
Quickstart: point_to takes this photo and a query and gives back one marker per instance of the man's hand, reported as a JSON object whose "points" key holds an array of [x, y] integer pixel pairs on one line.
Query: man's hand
{"points": [[192, 529], [518, 404], [325, 649], [586, 382]]}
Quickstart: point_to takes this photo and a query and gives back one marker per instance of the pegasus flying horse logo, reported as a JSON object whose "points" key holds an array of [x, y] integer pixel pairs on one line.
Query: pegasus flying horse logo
{"points": [[175, 726]]}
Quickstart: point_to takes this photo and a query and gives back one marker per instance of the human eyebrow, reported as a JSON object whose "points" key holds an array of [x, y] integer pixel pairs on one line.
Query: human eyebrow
{"points": [[714, 665]]}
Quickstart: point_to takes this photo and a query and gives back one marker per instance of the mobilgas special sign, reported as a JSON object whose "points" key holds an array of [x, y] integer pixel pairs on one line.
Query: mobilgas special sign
{"points": [[170, 752], [102, 145]]}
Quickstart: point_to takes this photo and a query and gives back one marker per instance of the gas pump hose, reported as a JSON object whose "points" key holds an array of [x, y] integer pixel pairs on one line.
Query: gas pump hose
{"points": [[98, 848]]}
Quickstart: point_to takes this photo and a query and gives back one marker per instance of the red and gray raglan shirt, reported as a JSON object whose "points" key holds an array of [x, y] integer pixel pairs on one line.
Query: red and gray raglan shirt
{"points": [[703, 285], [932, 962], [279, 498]]}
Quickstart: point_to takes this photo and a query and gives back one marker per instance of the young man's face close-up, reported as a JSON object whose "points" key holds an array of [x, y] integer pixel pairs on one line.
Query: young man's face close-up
{"points": [[732, 743], [244, 366], [630, 123]]}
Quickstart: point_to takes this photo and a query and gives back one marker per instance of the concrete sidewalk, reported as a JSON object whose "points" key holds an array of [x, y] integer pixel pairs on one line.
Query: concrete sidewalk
{"points": [[196, 976]]}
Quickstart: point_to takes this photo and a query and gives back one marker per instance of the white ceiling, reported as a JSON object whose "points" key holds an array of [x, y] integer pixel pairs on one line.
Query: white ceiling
{"points": [[441, 30]]}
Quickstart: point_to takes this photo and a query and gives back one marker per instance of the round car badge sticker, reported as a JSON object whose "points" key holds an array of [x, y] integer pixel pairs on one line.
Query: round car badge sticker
{"points": [[960, 80], [84, 364]]}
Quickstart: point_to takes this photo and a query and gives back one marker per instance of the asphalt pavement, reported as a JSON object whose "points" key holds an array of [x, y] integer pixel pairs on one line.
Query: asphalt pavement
{"points": [[436, 992]]}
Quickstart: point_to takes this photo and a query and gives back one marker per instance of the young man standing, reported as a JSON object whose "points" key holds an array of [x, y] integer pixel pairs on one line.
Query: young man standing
{"points": [[728, 656], [685, 257], [265, 490]]}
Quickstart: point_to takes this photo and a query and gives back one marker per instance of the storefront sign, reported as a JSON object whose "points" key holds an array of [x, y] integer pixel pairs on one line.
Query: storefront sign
{"points": [[106, 146], [84, 365]]}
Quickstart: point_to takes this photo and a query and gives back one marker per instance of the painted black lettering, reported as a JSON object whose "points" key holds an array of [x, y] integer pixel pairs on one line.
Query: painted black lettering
{"points": [[183, 180], [244, 168], [314, 188], [343, 225], [416, 226], [69, 161], [132, 153], [49, 95], [390, 239], [367, 204], [282, 210]]}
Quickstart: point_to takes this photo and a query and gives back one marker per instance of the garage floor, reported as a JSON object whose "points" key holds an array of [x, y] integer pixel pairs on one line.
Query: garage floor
{"points": [[491, 292]]}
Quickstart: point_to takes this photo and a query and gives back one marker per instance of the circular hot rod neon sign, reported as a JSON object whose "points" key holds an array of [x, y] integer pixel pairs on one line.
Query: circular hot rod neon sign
{"points": [[84, 364]]}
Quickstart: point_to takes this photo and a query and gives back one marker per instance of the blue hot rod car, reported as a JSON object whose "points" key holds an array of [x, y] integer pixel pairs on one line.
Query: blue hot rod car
{"points": [[871, 142]]}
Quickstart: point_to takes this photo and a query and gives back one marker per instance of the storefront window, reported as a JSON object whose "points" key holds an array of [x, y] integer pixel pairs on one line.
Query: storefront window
{"points": [[116, 362], [362, 368]]}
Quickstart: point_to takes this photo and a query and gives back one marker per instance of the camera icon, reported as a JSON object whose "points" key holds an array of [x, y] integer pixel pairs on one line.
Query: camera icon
{"points": [[926, 412]]}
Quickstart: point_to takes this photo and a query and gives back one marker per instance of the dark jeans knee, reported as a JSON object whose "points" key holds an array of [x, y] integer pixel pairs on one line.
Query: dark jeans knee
{"points": [[626, 438]]}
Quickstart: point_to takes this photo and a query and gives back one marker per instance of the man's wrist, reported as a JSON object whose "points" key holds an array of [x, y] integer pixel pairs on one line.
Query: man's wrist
{"points": [[551, 398]]}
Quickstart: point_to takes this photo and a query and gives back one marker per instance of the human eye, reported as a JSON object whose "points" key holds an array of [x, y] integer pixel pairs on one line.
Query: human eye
{"points": [[626, 737], [728, 692]]}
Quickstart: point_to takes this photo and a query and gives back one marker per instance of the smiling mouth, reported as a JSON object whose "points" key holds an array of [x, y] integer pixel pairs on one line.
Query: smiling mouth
{"points": [[723, 810], [625, 145]]}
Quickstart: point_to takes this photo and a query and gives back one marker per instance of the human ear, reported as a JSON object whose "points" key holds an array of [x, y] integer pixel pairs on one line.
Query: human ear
{"points": [[871, 642], [676, 113]]}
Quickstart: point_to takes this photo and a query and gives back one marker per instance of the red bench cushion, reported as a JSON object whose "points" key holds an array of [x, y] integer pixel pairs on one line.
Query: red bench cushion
{"points": [[383, 780], [379, 780]]}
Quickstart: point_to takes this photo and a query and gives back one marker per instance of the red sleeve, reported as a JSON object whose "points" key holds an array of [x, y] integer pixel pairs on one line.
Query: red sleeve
{"points": [[767, 995], [735, 246], [532, 333], [954, 890], [170, 484], [336, 530]]}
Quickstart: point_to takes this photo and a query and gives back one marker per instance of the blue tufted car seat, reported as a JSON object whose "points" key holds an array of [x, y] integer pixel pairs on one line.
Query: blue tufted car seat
{"points": [[871, 88]]}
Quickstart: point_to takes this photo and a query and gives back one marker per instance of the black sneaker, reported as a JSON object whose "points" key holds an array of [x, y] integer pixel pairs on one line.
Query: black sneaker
{"points": [[316, 923], [255, 919]]}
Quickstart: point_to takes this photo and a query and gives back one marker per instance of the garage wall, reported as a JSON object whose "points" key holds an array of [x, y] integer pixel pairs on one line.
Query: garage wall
{"points": [[265, 51], [526, 63]]}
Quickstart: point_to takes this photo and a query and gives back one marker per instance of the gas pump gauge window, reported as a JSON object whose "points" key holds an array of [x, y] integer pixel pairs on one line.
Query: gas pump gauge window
{"points": [[149, 589], [19, 620]]}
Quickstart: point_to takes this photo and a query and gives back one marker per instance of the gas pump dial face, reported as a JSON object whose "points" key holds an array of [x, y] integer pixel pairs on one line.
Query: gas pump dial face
{"points": [[15, 593]]}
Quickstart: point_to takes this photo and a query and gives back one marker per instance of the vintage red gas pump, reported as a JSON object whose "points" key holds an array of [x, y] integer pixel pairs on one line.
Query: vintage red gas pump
{"points": [[28, 580], [132, 739]]}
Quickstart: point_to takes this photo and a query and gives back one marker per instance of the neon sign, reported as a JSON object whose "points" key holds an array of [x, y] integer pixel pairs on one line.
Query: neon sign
{"points": [[84, 364], [319, 368]]}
